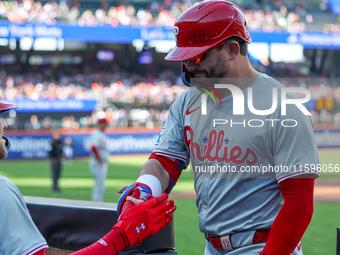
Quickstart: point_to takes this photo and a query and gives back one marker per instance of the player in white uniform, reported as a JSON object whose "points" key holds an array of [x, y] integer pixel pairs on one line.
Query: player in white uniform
{"points": [[98, 163], [20, 236], [15, 221], [245, 166]]}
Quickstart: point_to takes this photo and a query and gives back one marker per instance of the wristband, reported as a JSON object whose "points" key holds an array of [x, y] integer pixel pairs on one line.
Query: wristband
{"points": [[151, 181]]}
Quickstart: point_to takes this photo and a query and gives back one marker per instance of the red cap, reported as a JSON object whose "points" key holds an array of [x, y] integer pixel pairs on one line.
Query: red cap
{"points": [[102, 121]]}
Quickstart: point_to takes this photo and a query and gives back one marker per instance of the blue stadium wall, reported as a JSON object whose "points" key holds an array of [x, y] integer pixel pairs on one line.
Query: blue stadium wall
{"points": [[35, 145]]}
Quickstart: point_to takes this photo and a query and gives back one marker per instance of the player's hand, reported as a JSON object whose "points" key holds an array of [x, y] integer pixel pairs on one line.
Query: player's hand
{"points": [[144, 194], [146, 219], [131, 201]]}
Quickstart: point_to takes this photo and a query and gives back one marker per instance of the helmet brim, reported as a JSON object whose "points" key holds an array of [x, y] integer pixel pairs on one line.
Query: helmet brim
{"points": [[5, 106], [183, 53]]}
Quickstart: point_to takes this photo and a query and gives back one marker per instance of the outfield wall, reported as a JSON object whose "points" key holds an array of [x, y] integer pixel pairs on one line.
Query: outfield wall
{"points": [[36, 144]]}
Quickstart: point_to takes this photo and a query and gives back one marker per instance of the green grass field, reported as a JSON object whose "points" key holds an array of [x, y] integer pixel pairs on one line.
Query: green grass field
{"points": [[33, 179]]}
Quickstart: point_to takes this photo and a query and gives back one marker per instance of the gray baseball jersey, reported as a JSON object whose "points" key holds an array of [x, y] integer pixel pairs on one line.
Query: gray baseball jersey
{"points": [[238, 161], [18, 233], [99, 139]]}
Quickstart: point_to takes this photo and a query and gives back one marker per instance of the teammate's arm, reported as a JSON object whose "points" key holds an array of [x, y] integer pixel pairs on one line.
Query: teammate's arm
{"points": [[133, 227], [293, 218]]}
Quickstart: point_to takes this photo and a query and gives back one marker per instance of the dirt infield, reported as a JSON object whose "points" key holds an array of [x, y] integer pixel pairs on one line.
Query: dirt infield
{"points": [[324, 191], [327, 191]]}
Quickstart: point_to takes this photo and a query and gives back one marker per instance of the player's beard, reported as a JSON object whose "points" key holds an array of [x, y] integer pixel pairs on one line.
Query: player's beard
{"points": [[3, 150], [220, 70], [215, 74]]}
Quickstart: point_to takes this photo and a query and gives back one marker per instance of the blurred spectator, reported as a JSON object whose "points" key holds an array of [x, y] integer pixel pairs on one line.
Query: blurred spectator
{"points": [[47, 123], [34, 122]]}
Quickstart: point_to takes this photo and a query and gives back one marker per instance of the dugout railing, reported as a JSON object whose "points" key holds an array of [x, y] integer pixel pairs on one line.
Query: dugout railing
{"points": [[69, 225]]}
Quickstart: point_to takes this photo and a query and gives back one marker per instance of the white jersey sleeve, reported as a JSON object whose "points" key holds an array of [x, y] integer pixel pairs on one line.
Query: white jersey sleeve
{"points": [[295, 151], [18, 233], [171, 142], [294, 148]]}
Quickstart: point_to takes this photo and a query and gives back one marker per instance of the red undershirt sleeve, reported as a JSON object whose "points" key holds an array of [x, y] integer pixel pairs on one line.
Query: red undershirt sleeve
{"points": [[41, 252], [293, 218], [111, 244]]}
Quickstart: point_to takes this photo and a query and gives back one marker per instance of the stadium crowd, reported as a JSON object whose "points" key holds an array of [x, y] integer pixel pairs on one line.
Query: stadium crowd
{"points": [[113, 86], [127, 98], [130, 99], [118, 117], [277, 16]]}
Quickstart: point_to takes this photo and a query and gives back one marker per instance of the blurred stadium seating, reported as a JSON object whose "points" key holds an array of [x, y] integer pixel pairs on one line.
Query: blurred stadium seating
{"points": [[265, 15], [134, 89]]}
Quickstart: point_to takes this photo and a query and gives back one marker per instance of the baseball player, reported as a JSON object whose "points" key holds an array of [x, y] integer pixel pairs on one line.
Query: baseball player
{"points": [[56, 155], [19, 235], [98, 161], [262, 211]]}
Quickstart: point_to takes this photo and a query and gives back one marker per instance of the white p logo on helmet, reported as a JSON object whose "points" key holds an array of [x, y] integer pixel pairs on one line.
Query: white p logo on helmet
{"points": [[176, 31]]}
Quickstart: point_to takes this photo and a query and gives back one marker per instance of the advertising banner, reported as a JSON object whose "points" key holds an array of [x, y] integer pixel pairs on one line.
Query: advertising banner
{"points": [[55, 105], [36, 146], [127, 34]]}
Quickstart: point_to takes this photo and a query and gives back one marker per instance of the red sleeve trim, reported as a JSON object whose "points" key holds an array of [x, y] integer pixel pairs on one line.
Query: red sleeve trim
{"points": [[173, 167], [295, 174], [40, 250], [169, 155]]}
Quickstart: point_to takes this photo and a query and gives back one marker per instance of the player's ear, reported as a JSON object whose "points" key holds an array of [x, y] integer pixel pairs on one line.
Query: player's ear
{"points": [[233, 49]]}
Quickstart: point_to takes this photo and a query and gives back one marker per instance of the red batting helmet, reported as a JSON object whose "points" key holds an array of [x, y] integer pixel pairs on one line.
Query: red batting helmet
{"points": [[4, 106], [102, 121], [205, 25]]}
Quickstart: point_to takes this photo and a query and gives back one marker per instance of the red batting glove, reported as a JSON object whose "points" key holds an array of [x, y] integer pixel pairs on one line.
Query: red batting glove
{"points": [[145, 219], [128, 204], [144, 194]]}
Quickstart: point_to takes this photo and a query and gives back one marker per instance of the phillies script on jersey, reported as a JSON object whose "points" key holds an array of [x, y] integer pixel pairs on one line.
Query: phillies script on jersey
{"points": [[216, 143]]}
